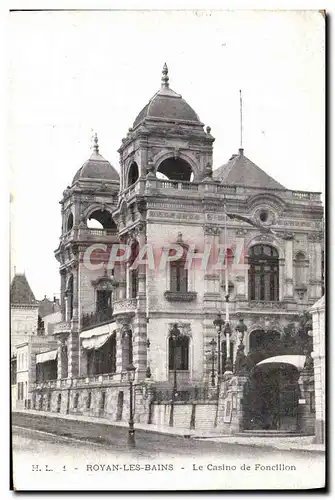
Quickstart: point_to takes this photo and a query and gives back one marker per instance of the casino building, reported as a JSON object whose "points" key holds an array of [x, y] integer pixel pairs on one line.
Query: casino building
{"points": [[210, 350]]}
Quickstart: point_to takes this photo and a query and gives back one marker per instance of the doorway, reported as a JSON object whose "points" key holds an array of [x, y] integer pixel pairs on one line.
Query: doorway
{"points": [[271, 398]]}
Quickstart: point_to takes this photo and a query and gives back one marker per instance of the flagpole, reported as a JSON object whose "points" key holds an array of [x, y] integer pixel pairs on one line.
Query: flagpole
{"points": [[241, 121]]}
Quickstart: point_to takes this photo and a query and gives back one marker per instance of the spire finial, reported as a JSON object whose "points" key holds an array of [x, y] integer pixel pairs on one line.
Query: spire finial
{"points": [[96, 144], [165, 77]]}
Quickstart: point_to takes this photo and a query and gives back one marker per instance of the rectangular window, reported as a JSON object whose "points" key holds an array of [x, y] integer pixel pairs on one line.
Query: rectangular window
{"points": [[178, 277]]}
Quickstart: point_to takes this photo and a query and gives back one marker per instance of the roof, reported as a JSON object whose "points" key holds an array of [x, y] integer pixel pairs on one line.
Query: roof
{"points": [[239, 170], [97, 167], [320, 304], [20, 291], [166, 104], [47, 306]]}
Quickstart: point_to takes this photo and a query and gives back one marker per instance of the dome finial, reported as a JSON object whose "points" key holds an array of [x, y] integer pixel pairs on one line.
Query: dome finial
{"points": [[165, 77], [96, 144]]}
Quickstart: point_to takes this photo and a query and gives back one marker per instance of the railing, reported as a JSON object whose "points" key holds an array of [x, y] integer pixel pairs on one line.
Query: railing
{"points": [[63, 326], [93, 379], [45, 384], [182, 185], [267, 304], [218, 188], [97, 318], [221, 188], [100, 232], [185, 395], [124, 305]]}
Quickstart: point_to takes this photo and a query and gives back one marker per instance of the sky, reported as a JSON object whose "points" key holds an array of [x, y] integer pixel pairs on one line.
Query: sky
{"points": [[72, 73]]}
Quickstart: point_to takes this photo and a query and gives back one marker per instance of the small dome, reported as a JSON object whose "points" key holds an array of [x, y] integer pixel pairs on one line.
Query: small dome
{"points": [[167, 105], [97, 167]]}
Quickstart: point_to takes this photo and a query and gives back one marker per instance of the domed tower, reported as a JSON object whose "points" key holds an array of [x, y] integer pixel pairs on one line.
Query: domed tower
{"points": [[168, 139], [87, 223]]}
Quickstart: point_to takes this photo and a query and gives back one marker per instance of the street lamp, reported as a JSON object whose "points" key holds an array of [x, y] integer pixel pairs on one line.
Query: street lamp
{"points": [[174, 335], [213, 346], [131, 431], [219, 323]]}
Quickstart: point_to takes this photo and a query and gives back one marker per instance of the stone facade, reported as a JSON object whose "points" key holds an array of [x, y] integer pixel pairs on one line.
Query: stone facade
{"points": [[167, 194], [319, 341]]}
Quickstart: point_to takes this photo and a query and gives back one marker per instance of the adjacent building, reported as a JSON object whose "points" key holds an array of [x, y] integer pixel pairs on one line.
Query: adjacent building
{"points": [[31, 335], [248, 368], [319, 356]]}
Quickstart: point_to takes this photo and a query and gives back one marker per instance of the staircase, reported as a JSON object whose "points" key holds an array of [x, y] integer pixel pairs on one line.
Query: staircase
{"points": [[272, 433]]}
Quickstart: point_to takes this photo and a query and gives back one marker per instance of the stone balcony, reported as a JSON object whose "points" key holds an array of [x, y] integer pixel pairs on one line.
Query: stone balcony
{"points": [[125, 306], [145, 185], [64, 327], [90, 235], [101, 379], [264, 306]]}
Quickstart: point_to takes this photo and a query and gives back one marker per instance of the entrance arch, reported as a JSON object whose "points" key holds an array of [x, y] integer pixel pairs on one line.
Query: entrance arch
{"points": [[271, 397]]}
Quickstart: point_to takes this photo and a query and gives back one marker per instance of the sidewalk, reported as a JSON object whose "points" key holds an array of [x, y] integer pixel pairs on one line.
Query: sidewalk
{"points": [[301, 443]]}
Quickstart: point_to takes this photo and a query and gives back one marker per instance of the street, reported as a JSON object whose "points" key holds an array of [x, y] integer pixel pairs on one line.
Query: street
{"points": [[58, 462]]}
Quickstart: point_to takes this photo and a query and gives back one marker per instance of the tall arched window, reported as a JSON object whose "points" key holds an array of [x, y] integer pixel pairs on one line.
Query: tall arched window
{"points": [[179, 353], [263, 273], [133, 274], [69, 297], [133, 174]]}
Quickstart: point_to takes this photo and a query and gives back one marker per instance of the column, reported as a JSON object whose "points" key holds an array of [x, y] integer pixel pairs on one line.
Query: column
{"points": [[122, 280], [140, 233], [62, 360], [288, 269], [73, 354], [62, 293], [75, 272], [140, 345]]}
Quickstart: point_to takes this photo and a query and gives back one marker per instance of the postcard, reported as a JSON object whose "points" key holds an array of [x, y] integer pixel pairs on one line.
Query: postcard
{"points": [[167, 250]]}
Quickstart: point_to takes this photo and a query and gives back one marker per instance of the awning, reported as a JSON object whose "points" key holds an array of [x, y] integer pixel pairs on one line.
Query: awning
{"points": [[43, 357], [295, 360], [97, 337], [95, 342]]}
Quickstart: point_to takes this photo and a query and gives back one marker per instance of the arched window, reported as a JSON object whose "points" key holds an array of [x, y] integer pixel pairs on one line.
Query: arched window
{"points": [[133, 174], [69, 296], [175, 169], [179, 353], [263, 273], [133, 273], [101, 219], [69, 223]]}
